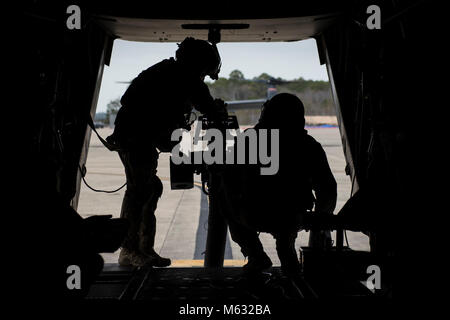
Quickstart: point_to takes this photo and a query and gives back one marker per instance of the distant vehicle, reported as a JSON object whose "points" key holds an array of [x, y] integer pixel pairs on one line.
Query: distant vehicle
{"points": [[98, 125]]}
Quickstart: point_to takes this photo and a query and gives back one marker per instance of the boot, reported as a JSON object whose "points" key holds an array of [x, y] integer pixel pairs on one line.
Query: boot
{"points": [[257, 263], [129, 258], [155, 260]]}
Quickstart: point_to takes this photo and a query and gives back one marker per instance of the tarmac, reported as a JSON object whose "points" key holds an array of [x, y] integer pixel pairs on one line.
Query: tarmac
{"points": [[182, 215]]}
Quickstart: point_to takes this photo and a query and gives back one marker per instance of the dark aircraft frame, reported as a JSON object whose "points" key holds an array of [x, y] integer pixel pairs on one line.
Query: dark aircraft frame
{"points": [[368, 71]]}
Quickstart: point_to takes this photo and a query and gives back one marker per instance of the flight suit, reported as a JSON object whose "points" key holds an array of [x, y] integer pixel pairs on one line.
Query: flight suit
{"points": [[157, 102], [276, 203]]}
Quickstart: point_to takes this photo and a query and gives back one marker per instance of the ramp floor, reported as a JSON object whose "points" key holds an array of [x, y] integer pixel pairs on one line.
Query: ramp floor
{"points": [[198, 284]]}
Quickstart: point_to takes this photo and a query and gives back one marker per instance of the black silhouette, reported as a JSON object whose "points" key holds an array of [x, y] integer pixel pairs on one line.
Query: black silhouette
{"points": [[277, 203], [384, 94], [151, 110]]}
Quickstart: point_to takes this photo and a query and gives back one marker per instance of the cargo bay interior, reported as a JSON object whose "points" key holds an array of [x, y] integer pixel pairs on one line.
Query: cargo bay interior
{"points": [[65, 71]]}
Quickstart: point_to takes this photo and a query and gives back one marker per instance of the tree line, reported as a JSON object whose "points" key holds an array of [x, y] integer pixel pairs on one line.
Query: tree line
{"points": [[316, 95]]}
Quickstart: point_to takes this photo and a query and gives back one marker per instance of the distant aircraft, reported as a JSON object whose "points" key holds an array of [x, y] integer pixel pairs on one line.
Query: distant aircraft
{"points": [[257, 103]]}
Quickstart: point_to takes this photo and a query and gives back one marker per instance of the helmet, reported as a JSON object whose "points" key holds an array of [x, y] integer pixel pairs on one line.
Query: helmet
{"points": [[283, 110], [200, 55]]}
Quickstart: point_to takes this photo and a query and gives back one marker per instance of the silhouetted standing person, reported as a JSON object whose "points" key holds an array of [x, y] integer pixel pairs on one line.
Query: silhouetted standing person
{"points": [[157, 102]]}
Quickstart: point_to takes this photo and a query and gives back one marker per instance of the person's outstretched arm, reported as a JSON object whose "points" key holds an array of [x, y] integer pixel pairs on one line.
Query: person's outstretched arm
{"points": [[205, 103]]}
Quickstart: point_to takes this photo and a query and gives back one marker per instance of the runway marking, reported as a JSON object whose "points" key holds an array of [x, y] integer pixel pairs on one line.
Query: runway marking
{"points": [[200, 263]]}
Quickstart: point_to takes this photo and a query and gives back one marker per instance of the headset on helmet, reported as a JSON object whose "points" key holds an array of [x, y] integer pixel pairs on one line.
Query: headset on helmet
{"points": [[200, 53]]}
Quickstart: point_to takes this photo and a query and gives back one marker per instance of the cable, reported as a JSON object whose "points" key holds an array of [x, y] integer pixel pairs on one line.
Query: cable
{"points": [[83, 173], [351, 193]]}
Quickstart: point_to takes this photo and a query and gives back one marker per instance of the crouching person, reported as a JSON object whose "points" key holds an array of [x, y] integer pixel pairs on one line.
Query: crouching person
{"points": [[277, 203]]}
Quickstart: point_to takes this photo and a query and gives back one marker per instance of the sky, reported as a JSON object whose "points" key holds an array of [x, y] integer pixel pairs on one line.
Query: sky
{"points": [[287, 60]]}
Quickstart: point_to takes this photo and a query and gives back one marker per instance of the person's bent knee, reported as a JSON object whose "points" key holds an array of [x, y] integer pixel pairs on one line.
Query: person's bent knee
{"points": [[157, 187]]}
